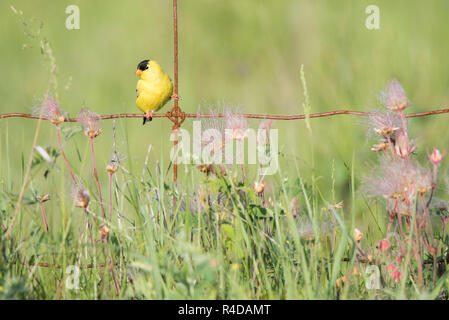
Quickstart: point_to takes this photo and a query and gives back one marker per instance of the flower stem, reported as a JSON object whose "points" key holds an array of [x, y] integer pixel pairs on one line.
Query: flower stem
{"points": [[391, 148], [96, 177], [404, 128], [110, 196], [43, 215], [63, 154]]}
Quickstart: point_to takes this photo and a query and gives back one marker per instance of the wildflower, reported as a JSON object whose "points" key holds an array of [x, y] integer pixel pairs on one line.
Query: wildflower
{"points": [[384, 123], [339, 205], [391, 267], [43, 199], [397, 275], [356, 271], [424, 181], [384, 245], [393, 96], [394, 180], [81, 197], [235, 125], [358, 235], [402, 206], [401, 144], [294, 207], [104, 232], [379, 147], [264, 128], [259, 187], [113, 165], [206, 168], [90, 122], [336, 206], [436, 156], [51, 111]]}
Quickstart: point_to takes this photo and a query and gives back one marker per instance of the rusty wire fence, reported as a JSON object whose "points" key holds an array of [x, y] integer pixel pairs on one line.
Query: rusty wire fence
{"points": [[177, 116]]}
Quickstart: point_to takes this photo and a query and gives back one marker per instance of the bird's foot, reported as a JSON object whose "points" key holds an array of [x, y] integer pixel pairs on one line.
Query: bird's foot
{"points": [[148, 117], [175, 96]]}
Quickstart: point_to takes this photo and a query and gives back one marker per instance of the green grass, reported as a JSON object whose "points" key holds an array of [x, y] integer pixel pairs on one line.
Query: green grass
{"points": [[250, 55]]}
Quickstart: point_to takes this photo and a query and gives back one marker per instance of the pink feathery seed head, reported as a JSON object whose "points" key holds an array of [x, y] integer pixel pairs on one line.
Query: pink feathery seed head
{"points": [[50, 110], [80, 197], [113, 165], [384, 245], [391, 180], [436, 156], [263, 132], [236, 124], [423, 181], [393, 96], [90, 122], [384, 122]]}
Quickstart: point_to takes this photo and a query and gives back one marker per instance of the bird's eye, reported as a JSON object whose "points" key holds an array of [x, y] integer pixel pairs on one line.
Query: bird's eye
{"points": [[143, 65]]}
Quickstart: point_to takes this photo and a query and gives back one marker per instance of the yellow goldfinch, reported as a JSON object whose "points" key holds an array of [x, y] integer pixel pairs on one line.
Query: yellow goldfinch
{"points": [[154, 88]]}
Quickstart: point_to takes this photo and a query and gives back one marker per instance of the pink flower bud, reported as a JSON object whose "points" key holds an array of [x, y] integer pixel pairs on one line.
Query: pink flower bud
{"points": [[358, 235], [397, 275], [436, 156], [384, 245], [391, 267]]}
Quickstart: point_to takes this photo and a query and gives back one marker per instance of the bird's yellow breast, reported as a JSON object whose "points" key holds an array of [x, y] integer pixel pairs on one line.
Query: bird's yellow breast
{"points": [[154, 89]]}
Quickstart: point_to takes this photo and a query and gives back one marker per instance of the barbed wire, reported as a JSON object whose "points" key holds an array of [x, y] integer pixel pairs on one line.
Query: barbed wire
{"points": [[221, 115]]}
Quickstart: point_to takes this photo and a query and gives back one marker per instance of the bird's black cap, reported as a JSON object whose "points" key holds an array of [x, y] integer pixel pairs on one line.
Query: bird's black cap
{"points": [[143, 65]]}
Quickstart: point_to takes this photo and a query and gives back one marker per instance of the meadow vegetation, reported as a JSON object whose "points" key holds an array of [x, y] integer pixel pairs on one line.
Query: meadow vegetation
{"points": [[357, 210]]}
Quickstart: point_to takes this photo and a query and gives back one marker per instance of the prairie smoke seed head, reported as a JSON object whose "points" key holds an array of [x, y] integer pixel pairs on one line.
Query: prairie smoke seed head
{"points": [[81, 198], [384, 122], [51, 111], [393, 96], [424, 181], [90, 122], [104, 231], [236, 124], [259, 187], [113, 164], [358, 235], [43, 199], [395, 181], [379, 147], [263, 132]]}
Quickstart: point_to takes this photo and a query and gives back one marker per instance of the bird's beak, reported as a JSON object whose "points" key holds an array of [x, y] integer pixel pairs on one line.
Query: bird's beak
{"points": [[139, 72]]}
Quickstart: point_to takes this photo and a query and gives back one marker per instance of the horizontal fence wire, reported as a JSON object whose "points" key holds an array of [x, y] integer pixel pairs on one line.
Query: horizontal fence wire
{"points": [[220, 115]]}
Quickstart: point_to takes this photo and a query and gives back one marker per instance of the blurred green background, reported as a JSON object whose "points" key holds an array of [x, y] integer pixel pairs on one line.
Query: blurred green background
{"points": [[246, 53]]}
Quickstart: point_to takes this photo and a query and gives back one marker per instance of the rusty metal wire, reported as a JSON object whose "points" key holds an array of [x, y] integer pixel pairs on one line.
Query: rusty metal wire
{"points": [[171, 116]]}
